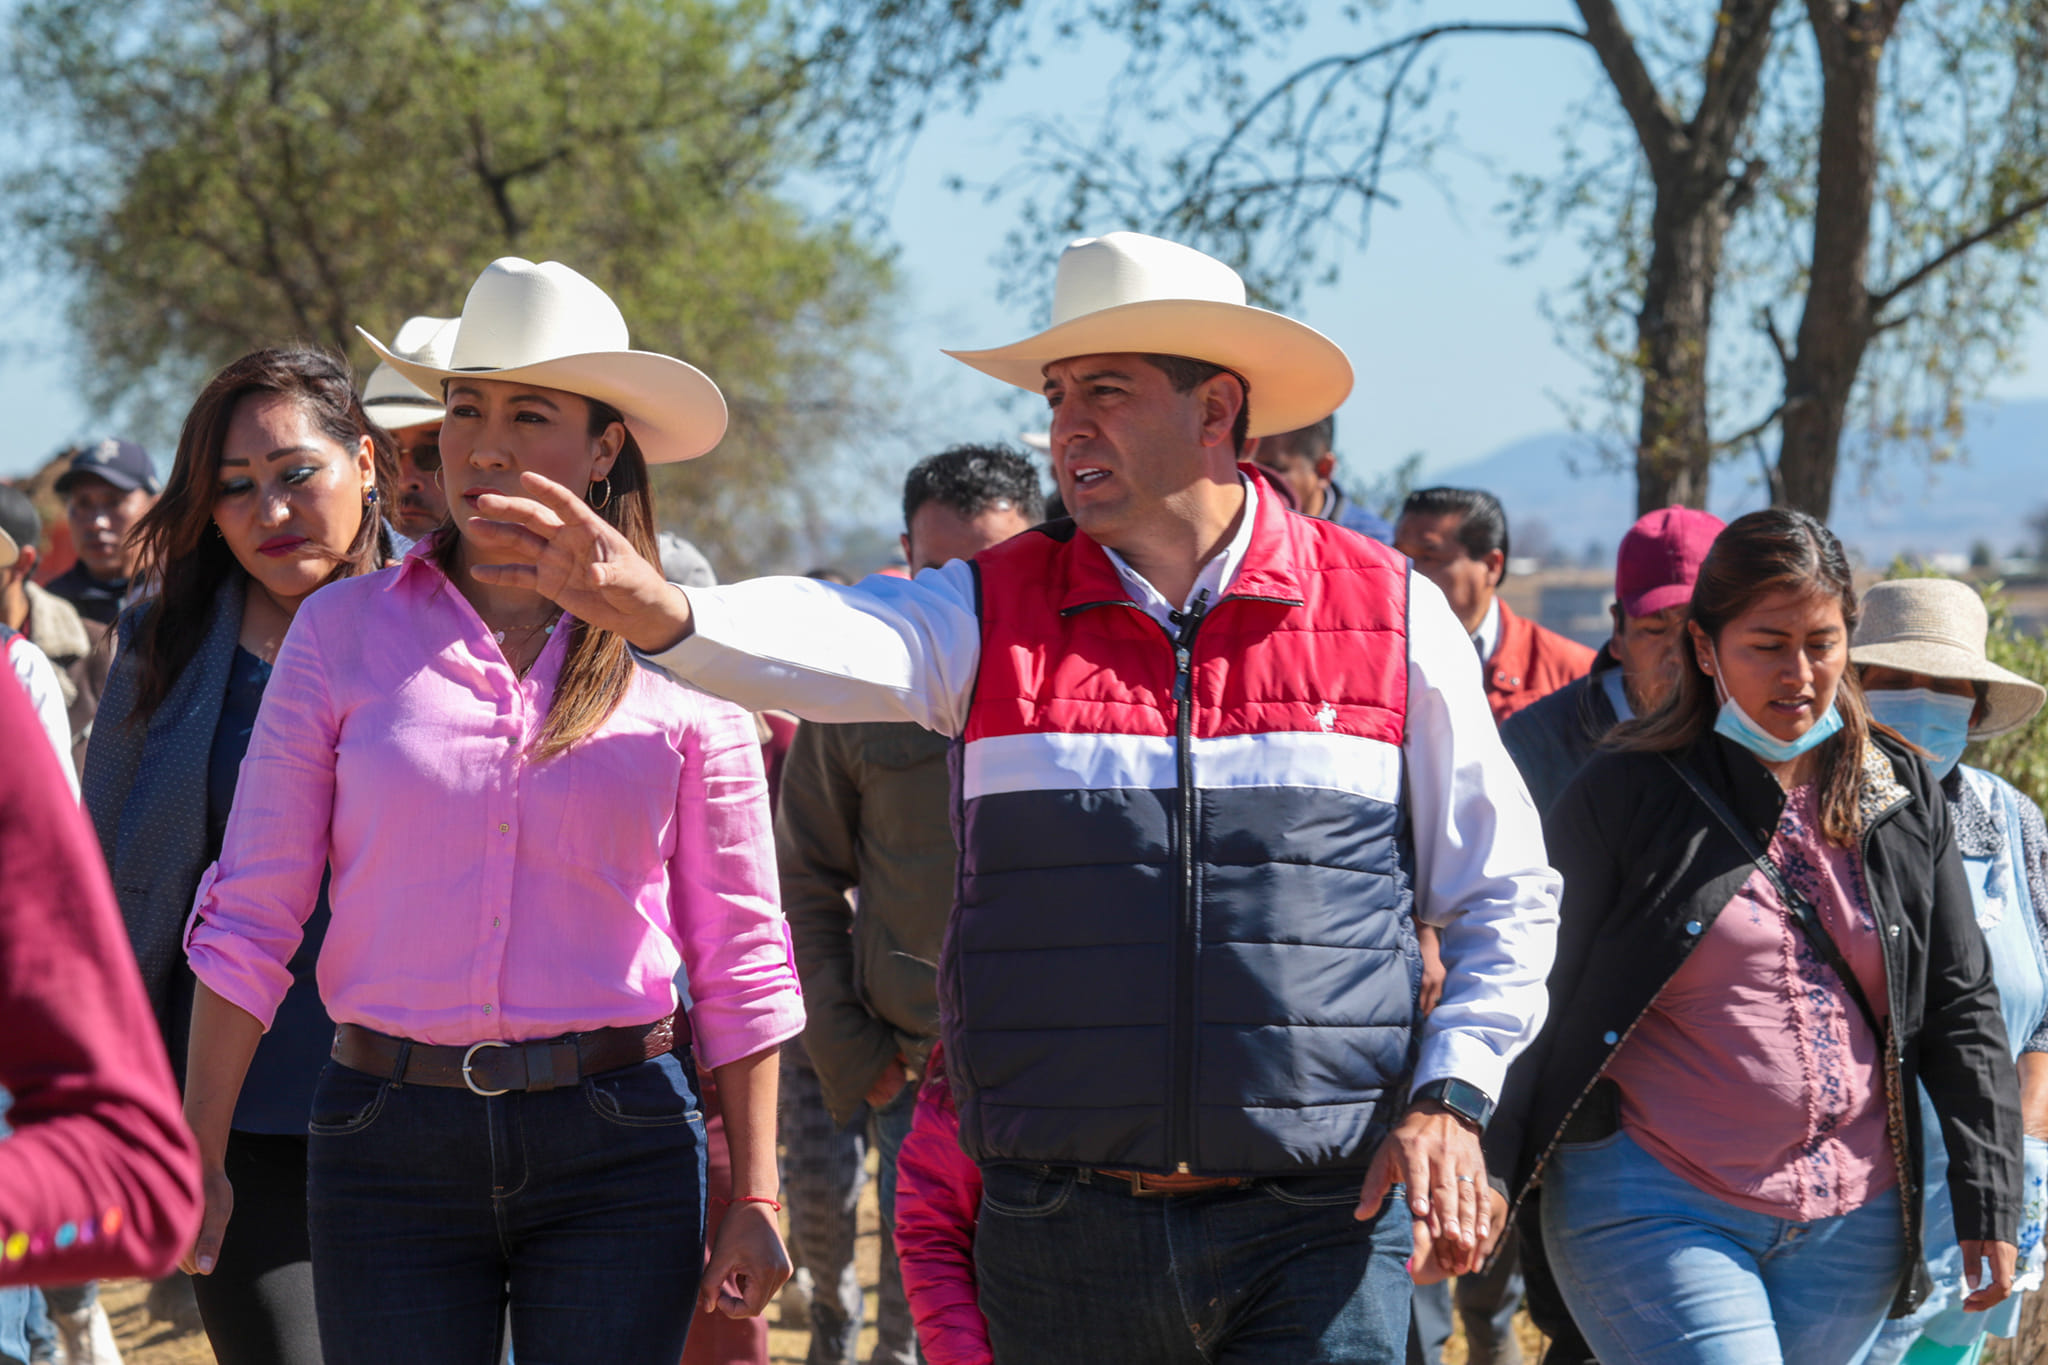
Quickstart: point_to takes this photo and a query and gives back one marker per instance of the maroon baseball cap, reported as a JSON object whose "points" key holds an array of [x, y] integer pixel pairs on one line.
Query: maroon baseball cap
{"points": [[1660, 557]]}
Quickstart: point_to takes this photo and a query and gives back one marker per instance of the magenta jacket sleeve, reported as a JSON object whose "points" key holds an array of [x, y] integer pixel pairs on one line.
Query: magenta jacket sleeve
{"points": [[100, 1176], [938, 1197]]}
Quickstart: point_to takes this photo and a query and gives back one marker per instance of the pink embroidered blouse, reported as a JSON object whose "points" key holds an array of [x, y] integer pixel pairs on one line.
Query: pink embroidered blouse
{"points": [[1753, 1074], [477, 894]]}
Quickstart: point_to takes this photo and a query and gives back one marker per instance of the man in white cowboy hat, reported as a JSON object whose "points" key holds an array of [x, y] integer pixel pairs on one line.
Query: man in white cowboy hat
{"points": [[413, 417], [1214, 761]]}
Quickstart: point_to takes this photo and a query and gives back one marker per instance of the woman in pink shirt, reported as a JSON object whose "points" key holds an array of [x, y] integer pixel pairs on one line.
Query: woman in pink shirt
{"points": [[528, 833]]}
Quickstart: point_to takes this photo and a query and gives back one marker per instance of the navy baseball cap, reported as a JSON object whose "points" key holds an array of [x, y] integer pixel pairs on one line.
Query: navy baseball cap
{"points": [[123, 464]]}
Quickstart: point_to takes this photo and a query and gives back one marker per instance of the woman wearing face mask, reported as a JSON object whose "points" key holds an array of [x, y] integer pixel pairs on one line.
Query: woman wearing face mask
{"points": [[529, 835], [1919, 654], [1766, 938], [273, 494]]}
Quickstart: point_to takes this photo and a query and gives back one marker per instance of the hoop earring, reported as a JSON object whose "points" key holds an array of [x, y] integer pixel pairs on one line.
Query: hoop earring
{"points": [[604, 501]]}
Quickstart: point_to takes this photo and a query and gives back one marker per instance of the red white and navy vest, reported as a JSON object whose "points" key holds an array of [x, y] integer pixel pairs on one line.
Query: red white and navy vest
{"points": [[1182, 939]]}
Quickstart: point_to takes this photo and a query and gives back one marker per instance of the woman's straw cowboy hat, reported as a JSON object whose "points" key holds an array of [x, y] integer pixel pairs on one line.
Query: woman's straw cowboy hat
{"points": [[1937, 626], [547, 325], [1129, 292], [395, 402]]}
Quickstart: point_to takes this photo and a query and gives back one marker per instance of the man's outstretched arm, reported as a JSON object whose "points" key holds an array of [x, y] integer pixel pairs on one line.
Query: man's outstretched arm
{"points": [[887, 649]]}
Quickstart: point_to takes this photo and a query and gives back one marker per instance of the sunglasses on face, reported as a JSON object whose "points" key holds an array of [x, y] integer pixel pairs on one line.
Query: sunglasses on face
{"points": [[425, 455]]}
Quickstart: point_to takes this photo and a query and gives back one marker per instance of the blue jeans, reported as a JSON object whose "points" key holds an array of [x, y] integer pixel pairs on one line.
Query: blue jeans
{"points": [[1656, 1270], [1073, 1266], [896, 1339], [431, 1209]]}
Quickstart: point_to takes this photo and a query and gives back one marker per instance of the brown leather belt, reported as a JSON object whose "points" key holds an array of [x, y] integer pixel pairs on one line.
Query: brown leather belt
{"points": [[1145, 1185], [492, 1068]]}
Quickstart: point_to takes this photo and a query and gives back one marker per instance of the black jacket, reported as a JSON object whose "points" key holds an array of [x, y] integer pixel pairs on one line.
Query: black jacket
{"points": [[1551, 739], [1647, 868]]}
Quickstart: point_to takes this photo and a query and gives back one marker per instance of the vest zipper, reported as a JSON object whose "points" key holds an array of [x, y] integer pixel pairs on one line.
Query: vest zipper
{"points": [[1181, 1120]]}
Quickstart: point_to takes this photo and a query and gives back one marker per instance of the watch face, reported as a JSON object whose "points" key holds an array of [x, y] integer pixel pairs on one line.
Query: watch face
{"points": [[1463, 1099]]}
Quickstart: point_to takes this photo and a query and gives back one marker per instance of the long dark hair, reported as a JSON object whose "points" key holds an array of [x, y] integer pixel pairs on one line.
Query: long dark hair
{"points": [[599, 667], [1758, 556], [178, 547]]}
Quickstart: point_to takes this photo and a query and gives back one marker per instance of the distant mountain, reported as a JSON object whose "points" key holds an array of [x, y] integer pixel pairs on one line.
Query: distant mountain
{"points": [[1997, 481]]}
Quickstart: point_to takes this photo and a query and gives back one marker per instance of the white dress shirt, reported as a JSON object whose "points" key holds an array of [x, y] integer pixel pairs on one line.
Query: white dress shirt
{"points": [[892, 649], [39, 679], [1486, 639]]}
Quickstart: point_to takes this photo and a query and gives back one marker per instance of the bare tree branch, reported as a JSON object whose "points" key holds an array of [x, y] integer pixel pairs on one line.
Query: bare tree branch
{"points": [[1338, 64], [1742, 41], [1657, 128], [2003, 223], [1752, 431]]}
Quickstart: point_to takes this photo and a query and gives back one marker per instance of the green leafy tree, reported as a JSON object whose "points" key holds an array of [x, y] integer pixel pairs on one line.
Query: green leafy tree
{"points": [[210, 175], [2020, 756]]}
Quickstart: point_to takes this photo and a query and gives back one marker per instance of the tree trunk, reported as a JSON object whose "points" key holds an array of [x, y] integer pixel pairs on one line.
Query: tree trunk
{"points": [[1699, 189], [1836, 327], [1674, 452]]}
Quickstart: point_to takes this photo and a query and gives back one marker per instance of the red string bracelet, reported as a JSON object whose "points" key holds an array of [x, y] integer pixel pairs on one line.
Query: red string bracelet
{"points": [[758, 1199]]}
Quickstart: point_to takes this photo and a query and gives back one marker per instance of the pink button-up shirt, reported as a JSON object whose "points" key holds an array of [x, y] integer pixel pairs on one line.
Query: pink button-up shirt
{"points": [[477, 894]]}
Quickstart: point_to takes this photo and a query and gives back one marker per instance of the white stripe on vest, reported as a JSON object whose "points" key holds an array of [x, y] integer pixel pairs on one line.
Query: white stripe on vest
{"points": [[1368, 768]]}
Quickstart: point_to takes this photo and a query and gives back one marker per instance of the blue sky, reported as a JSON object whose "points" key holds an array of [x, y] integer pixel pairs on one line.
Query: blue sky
{"points": [[1452, 353]]}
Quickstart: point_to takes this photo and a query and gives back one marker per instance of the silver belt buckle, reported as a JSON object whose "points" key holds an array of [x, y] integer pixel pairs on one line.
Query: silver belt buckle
{"points": [[469, 1080]]}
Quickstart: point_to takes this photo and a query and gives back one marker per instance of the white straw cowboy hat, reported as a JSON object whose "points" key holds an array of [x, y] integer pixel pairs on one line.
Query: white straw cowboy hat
{"points": [[1128, 292], [1937, 626], [551, 327], [395, 402]]}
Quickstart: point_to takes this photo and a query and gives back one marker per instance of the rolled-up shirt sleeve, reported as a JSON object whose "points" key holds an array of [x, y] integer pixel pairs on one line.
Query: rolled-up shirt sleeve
{"points": [[885, 649], [252, 906], [1482, 876], [724, 902]]}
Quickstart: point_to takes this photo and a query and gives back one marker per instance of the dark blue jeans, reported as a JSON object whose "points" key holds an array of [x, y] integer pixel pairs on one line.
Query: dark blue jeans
{"points": [[432, 1209], [1072, 1266]]}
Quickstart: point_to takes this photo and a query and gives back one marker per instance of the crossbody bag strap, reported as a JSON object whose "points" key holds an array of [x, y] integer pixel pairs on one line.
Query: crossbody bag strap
{"points": [[1803, 912]]}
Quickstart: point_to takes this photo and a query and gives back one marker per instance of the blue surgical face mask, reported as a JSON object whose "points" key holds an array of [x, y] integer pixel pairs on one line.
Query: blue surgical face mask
{"points": [[1735, 724], [1936, 721]]}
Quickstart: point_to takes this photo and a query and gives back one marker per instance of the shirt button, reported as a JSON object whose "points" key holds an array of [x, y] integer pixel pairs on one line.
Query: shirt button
{"points": [[495, 921], [1610, 1037], [487, 1009], [504, 829], [1692, 926], [1895, 931]]}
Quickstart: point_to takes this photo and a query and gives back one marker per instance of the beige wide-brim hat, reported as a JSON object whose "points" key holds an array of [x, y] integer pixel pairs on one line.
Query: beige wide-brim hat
{"points": [[395, 402], [1937, 626], [547, 325], [1125, 291]]}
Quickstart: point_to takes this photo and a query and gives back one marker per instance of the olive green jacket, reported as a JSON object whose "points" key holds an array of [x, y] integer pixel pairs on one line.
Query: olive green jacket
{"points": [[863, 810]]}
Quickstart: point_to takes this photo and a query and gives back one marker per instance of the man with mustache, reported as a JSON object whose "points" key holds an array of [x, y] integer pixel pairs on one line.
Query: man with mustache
{"points": [[413, 417], [1216, 760]]}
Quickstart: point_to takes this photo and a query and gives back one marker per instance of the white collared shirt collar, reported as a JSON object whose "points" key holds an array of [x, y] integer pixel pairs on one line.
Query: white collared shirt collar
{"points": [[1215, 578], [1486, 639]]}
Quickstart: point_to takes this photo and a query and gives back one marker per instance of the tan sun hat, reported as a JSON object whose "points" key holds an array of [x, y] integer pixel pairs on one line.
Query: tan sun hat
{"points": [[1125, 291], [1937, 626], [395, 402], [550, 326]]}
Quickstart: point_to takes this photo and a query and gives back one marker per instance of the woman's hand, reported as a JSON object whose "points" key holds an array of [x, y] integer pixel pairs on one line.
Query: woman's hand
{"points": [[550, 542], [220, 1204], [1999, 1260], [1426, 1267], [1436, 1155], [748, 1262]]}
